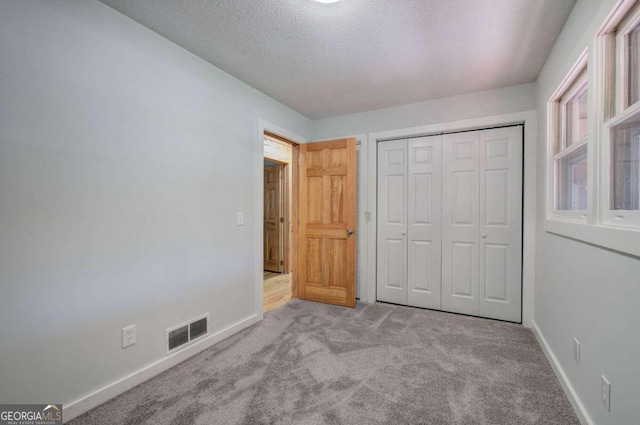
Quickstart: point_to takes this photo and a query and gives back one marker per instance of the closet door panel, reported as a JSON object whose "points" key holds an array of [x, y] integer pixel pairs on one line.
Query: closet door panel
{"points": [[392, 222], [500, 286], [460, 222], [421, 280], [462, 275], [495, 278], [424, 221]]}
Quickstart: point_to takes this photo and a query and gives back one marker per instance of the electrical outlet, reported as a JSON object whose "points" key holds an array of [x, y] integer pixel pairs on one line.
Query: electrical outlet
{"points": [[240, 218], [128, 336], [605, 393], [576, 350]]}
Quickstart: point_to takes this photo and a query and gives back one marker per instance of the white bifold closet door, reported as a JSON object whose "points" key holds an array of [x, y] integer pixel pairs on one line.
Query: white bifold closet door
{"points": [[482, 223], [409, 226], [450, 222]]}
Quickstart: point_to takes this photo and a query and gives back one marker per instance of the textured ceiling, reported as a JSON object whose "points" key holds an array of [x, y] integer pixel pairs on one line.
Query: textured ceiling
{"points": [[356, 55]]}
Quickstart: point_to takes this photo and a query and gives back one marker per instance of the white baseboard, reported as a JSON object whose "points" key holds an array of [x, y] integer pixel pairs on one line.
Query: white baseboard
{"points": [[96, 398], [568, 389]]}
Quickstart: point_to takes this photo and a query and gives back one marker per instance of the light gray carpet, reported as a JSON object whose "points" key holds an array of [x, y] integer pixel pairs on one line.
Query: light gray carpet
{"points": [[310, 363]]}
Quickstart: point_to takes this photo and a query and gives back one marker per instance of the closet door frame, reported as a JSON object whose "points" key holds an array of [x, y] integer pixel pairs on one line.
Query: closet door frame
{"points": [[529, 120]]}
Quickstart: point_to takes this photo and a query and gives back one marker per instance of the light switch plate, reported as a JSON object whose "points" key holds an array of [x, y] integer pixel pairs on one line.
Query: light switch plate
{"points": [[240, 218]]}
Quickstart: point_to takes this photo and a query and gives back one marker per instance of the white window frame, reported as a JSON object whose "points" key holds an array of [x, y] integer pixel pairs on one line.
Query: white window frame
{"points": [[575, 81], [614, 47], [606, 106]]}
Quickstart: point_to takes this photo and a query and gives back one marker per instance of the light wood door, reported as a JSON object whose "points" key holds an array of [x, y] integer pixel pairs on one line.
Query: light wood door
{"points": [[327, 206], [460, 227], [392, 222], [500, 249], [272, 217]]}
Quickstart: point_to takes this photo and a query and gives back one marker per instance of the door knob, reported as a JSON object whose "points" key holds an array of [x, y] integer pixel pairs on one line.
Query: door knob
{"points": [[404, 233], [484, 236], [349, 232]]}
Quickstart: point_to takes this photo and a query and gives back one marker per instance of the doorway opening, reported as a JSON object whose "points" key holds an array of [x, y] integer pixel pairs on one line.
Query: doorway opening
{"points": [[280, 197]]}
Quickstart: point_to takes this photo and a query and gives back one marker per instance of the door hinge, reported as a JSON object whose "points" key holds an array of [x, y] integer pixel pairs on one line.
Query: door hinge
{"points": [[282, 262], [281, 219]]}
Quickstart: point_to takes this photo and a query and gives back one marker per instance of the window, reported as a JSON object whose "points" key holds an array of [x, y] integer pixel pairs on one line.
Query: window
{"points": [[620, 132], [569, 137], [572, 181], [593, 150], [571, 158], [625, 166], [633, 65]]}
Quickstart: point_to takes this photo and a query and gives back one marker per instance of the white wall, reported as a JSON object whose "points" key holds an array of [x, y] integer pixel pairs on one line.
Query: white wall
{"points": [[123, 161], [467, 106], [582, 290]]}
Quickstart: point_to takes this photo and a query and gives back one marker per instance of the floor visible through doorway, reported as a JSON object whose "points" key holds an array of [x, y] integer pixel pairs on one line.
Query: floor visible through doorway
{"points": [[277, 289]]}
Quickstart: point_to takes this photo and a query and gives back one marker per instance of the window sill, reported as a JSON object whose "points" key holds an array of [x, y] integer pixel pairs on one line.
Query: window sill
{"points": [[626, 241], [569, 216]]}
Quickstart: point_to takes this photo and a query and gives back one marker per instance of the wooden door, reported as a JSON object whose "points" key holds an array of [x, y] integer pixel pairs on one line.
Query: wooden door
{"points": [[392, 222], [500, 249], [460, 227], [272, 217], [327, 206]]}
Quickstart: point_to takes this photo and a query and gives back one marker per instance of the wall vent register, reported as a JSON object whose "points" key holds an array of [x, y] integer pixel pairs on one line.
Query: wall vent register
{"points": [[186, 333]]}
